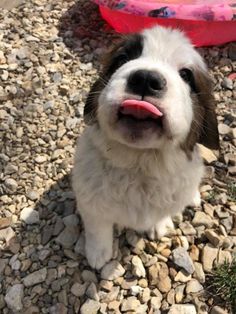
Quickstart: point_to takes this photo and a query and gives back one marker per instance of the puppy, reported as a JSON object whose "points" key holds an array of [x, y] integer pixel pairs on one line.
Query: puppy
{"points": [[137, 163]]}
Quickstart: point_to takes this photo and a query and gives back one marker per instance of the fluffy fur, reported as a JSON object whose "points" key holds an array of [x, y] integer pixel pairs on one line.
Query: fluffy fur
{"points": [[134, 173]]}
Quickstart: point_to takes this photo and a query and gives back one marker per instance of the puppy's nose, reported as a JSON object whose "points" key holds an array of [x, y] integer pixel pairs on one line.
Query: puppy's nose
{"points": [[146, 83]]}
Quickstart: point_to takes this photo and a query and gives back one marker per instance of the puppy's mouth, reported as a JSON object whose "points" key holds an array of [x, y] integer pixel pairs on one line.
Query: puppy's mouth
{"points": [[141, 114]]}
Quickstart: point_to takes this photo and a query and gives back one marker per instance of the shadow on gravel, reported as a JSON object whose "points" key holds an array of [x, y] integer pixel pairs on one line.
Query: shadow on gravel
{"points": [[84, 32]]}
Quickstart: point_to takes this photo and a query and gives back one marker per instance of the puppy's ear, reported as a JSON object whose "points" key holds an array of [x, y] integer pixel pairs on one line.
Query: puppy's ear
{"points": [[209, 135], [91, 104], [204, 128]]}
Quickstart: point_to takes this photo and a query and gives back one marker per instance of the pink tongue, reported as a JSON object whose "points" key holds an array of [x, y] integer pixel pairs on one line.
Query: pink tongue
{"points": [[140, 109]]}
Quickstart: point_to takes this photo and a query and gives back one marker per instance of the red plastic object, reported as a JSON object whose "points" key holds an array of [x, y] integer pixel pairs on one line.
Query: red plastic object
{"points": [[202, 33]]}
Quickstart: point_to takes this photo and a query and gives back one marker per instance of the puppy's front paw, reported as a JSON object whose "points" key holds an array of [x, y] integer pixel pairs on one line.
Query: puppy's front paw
{"points": [[162, 228], [97, 257]]}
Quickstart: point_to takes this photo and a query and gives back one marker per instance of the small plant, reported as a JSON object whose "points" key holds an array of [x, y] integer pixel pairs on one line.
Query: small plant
{"points": [[224, 282], [232, 191]]}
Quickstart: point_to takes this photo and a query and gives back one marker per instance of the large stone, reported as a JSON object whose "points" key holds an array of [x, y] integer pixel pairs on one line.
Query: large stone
{"points": [[112, 270], [14, 297], [183, 260], [35, 277]]}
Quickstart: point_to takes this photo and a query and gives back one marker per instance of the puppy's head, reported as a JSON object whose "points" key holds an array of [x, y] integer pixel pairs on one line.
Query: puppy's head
{"points": [[154, 91]]}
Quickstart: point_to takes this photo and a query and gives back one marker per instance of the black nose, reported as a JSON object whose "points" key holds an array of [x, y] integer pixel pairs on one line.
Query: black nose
{"points": [[146, 83]]}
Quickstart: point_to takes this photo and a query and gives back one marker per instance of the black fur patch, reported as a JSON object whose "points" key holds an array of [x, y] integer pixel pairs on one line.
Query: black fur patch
{"points": [[130, 49]]}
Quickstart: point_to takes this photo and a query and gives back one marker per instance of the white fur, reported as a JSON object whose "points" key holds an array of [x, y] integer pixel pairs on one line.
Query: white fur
{"points": [[138, 185]]}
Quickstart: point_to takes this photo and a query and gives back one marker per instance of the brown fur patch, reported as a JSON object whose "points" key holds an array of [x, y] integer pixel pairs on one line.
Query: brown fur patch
{"points": [[204, 128]]}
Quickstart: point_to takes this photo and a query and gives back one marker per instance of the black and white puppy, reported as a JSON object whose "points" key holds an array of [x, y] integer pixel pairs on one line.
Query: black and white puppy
{"points": [[137, 163]]}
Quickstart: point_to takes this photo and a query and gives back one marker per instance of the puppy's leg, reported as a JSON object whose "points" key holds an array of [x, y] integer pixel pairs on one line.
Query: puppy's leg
{"points": [[161, 228], [98, 241]]}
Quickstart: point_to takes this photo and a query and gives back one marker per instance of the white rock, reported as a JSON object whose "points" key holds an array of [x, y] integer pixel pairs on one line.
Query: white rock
{"points": [[182, 309], [138, 268], [14, 297], [29, 216], [112, 270]]}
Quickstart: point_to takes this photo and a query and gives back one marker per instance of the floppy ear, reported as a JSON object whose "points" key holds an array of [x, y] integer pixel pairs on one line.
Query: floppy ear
{"points": [[209, 135], [91, 104], [204, 128]]}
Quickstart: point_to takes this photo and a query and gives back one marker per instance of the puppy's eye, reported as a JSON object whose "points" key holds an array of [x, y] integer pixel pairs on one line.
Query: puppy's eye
{"points": [[186, 74], [188, 77], [121, 59]]}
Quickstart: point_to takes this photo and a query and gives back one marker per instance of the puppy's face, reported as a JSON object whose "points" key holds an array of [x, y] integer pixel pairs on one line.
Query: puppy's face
{"points": [[154, 91]]}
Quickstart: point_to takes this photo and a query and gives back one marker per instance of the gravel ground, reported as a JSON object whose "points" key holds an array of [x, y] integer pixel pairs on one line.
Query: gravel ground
{"points": [[49, 52]]}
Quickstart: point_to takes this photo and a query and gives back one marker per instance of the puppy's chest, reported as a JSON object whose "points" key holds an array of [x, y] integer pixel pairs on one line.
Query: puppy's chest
{"points": [[135, 194]]}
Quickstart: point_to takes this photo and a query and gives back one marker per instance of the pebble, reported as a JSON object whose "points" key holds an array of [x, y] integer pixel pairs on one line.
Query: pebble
{"points": [[182, 309], [199, 273], [209, 255], [223, 129], [90, 307], [11, 184], [193, 286], [182, 259], [182, 276], [179, 293], [40, 159], [138, 268], [35, 277], [207, 154], [187, 228], [14, 297], [130, 304], [78, 289], [91, 292], [29, 216], [218, 310], [68, 236], [58, 308], [201, 218], [213, 237], [112, 270]]}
